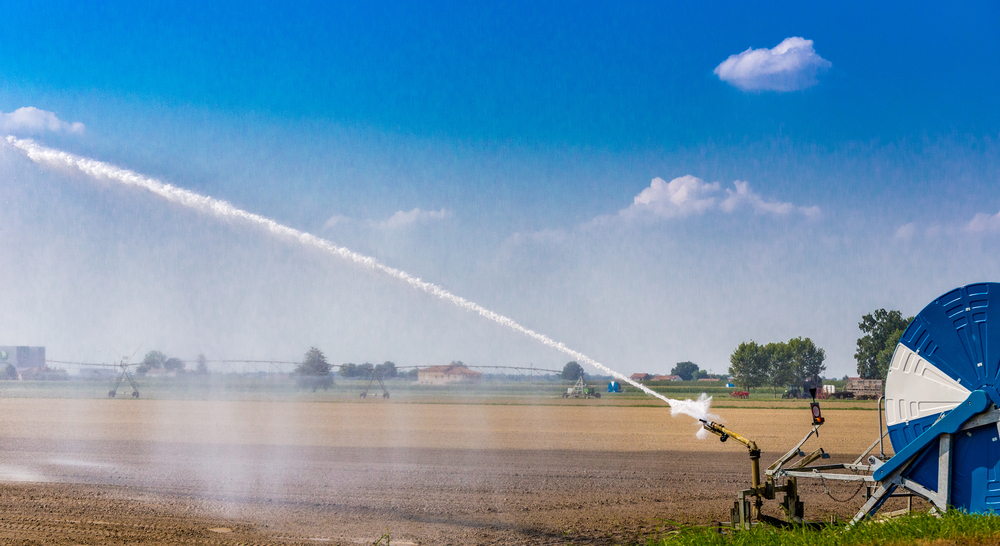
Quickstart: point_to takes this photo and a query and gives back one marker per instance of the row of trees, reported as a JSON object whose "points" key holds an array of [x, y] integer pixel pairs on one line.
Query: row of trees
{"points": [[387, 370], [314, 364], [776, 364], [156, 360], [791, 362], [689, 371]]}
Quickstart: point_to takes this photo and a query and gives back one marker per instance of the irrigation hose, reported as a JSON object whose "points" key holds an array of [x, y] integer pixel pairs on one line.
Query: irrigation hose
{"points": [[829, 494]]}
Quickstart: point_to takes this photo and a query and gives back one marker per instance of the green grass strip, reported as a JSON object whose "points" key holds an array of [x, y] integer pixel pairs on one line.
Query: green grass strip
{"points": [[954, 527]]}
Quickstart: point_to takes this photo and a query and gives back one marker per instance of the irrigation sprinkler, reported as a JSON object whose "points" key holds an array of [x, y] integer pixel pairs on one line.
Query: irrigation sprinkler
{"points": [[941, 414], [376, 375]]}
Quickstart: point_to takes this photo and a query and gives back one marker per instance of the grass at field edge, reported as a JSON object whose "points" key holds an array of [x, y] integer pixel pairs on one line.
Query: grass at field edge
{"points": [[954, 527]]}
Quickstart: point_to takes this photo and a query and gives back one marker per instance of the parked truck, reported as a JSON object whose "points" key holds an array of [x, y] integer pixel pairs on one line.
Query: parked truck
{"points": [[864, 389]]}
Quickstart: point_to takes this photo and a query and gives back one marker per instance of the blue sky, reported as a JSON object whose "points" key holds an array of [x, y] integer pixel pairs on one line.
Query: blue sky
{"points": [[500, 152]]}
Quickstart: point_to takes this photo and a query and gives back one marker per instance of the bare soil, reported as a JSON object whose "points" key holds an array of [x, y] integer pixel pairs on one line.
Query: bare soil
{"points": [[199, 472]]}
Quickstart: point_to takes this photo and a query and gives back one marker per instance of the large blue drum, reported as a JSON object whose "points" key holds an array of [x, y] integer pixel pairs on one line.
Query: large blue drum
{"points": [[946, 353]]}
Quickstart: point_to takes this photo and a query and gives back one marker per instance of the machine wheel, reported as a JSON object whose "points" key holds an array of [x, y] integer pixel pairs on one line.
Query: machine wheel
{"points": [[363, 395], [597, 395], [386, 396], [135, 394], [111, 394]]}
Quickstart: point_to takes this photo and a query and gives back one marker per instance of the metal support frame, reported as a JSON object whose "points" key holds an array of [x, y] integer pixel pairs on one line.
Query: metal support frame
{"points": [[940, 497], [125, 374], [376, 375], [882, 478]]}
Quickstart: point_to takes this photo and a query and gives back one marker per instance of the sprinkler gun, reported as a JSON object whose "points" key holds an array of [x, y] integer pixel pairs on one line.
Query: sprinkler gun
{"points": [[756, 490], [724, 434]]}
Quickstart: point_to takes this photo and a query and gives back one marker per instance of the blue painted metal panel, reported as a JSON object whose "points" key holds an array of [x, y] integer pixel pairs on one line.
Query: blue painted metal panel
{"points": [[975, 483]]}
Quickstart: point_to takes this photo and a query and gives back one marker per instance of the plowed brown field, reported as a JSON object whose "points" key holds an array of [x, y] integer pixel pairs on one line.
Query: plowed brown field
{"points": [[282, 472]]}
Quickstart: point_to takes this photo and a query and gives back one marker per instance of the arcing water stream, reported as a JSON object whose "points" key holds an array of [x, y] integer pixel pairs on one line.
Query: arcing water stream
{"points": [[697, 409]]}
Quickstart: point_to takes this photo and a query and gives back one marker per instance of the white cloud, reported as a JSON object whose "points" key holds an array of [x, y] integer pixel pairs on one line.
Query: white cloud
{"points": [[681, 196], [32, 120], [416, 215], [789, 66], [689, 195], [984, 222]]}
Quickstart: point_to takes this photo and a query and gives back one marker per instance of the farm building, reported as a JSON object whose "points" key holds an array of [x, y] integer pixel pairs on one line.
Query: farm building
{"points": [[640, 377], [22, 357], [666, 378], [447, 375]]}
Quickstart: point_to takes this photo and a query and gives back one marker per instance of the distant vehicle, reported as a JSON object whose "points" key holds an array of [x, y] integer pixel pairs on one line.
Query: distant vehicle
{"points": [[812, 386], [864, 389]]}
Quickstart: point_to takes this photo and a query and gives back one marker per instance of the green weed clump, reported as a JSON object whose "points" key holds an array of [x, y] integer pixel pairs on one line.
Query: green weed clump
{"points": [[953, 528]]}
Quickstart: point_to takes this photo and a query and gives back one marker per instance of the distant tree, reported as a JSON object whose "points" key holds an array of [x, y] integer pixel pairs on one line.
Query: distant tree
{"points": [[9, 373], [365, 370], [780, 367], [314, 363], [685, 369], [572, 371], [174, 365], [882, 330], [458, 363], [701, 374], [314, 371], [348, 370], [749, 365], [387, 370], [152, 360], [202, 366], [807, 358], [412, 375]]}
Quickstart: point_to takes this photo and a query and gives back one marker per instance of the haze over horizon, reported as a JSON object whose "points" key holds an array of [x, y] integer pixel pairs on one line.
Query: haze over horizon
{"points": [[645, 184]]}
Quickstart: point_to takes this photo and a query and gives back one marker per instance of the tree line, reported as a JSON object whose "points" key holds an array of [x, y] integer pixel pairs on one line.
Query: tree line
{"points": [[156, 360], [777, 364], [788, 363]]}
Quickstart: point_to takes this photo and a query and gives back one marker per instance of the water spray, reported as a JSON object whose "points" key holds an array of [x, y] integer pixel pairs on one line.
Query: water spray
{"points": [[697, 409]]}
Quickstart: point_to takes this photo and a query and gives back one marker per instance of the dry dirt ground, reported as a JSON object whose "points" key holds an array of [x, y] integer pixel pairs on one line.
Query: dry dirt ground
{"points": [[200, 472]]}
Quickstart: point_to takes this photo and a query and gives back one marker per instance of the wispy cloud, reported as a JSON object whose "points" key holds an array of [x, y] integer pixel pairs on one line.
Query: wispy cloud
{"points": [[984, 223], [414, 216], [337, 220], [906, 232], [689, 195], [789, 66], [33, 120], [398, 220]]}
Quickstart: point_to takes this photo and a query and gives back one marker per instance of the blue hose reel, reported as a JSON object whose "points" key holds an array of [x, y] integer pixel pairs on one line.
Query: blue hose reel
{"points": [[941, 405]]}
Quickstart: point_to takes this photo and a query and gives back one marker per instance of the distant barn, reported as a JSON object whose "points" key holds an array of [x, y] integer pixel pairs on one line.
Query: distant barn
{"points": [[22, 357], [447, 375]]}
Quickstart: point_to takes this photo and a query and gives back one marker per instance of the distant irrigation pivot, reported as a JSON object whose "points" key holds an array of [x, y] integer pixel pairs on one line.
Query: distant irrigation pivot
{"points": [[279, 364], [224, 210]]}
